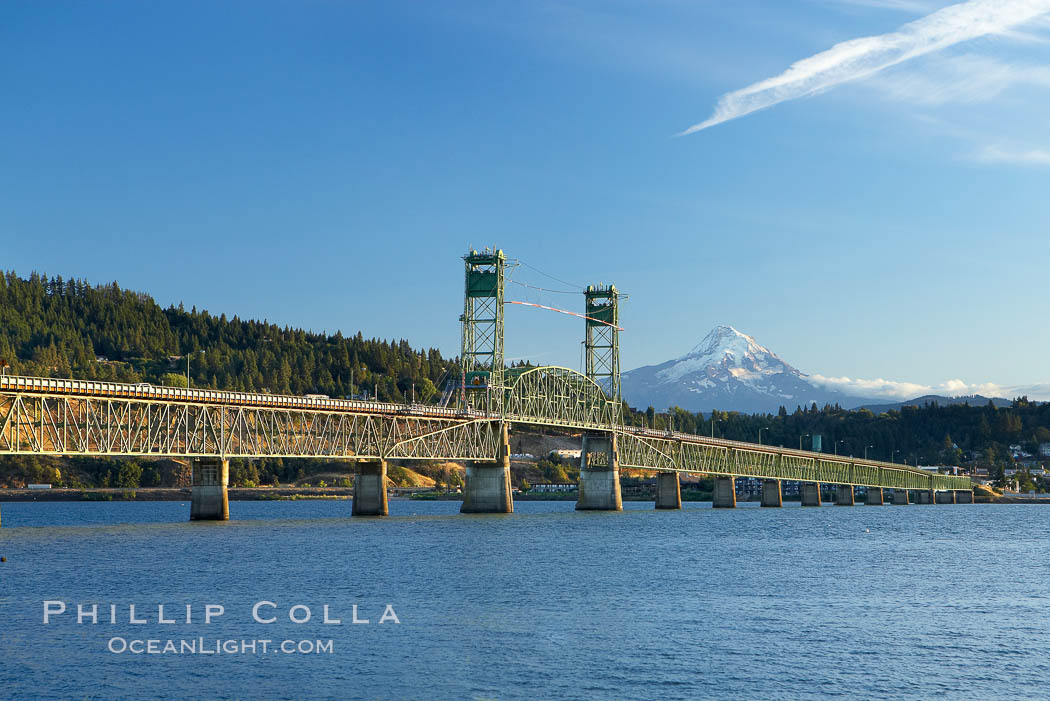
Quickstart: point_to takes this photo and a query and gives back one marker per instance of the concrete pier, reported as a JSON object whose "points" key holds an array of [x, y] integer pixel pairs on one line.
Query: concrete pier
{"points": [[874, 497], [963, 496], [209, 500], [844, 495], [370, 489], [772, 494], [810, 493], [925, 496], [724, 496], [487, 487], [600, 478], [946, 497], [668, 491], [900, 497]]}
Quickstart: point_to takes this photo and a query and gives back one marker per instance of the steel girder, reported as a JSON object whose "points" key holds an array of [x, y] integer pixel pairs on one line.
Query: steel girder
{"points": [[555, 396], [77, 425], [699, 455]]}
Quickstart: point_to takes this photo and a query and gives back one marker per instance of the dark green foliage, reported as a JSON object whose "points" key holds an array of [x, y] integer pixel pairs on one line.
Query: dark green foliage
{"points": [[54, 328], [927, 434], [57, 328]]}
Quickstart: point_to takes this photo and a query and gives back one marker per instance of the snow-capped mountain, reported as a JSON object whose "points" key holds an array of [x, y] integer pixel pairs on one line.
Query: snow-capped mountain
{"points": [[729, 371]]}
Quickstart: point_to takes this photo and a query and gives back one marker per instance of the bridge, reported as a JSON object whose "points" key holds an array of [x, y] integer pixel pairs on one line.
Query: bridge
{"points": [[49, 416]]}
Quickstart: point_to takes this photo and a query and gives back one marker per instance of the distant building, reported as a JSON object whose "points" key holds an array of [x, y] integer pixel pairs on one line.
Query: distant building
{"points": [[945, 469], [752, 487], [565, 454], [553, 487]]}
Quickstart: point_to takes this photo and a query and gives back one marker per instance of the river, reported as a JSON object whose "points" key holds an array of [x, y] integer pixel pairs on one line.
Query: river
{"points": [[865, 602]]}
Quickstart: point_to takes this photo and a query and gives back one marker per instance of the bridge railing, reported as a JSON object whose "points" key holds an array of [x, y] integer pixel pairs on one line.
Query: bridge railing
{"points": [[146, 391]]}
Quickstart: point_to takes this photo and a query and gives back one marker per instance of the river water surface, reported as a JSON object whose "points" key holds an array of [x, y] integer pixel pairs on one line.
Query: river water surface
{"points": [[909, 602]]}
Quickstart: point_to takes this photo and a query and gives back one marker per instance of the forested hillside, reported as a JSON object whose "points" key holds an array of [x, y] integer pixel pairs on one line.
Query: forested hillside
{"points": [[69, 328], [58, 328]]}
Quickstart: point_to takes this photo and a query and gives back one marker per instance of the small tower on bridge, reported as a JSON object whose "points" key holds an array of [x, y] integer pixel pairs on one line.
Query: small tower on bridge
{"points": [[602, 340], [482, 352]]}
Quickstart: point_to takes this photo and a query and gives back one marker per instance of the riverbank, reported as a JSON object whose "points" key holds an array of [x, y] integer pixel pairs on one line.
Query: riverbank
{"points": [[173, 494], [291, 493]]}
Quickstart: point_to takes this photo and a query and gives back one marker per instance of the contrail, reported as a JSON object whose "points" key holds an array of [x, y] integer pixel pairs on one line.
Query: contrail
{"points": [[859, 58]]}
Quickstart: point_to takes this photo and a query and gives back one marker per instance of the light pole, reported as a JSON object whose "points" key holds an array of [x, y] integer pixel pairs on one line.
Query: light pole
{"points": [[764, 428], [837, 445], [800, 440], [893, 455], [188, 369], [866, 451]]}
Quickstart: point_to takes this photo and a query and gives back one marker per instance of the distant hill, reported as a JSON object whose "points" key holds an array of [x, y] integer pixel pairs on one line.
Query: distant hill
{"points": [[931, 399]]}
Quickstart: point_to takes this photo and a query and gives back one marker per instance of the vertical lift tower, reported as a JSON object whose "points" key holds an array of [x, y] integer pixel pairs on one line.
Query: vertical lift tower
{"points": [[487, 488], [599, 462]]}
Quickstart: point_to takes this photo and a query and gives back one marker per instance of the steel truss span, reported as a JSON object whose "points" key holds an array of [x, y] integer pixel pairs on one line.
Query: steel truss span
{"points": [[682, 452], [560, 397], [58, 423], [71, 417]]}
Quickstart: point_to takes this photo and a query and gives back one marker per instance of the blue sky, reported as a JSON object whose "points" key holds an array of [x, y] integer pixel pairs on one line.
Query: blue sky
{"points": [[883, 216]]}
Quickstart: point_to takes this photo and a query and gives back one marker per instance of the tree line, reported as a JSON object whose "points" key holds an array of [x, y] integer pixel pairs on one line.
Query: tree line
{"points": [[51, 327], [927, 435]]}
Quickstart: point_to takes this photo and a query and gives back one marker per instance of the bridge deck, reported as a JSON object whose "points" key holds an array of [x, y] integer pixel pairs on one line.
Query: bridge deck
{"points": [[78, 417]]}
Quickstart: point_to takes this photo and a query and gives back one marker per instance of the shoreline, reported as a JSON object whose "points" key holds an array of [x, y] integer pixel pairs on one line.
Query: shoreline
{"points": [[293, 493], [173, 494]]}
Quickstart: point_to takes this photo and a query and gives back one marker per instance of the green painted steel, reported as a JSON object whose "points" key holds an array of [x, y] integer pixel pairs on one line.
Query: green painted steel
{"points": [[482, 320], [559, 397], [602, 337], [650, 450], [55, 421]]}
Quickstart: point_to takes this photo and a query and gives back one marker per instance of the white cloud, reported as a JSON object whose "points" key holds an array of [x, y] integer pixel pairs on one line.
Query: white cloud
{"points": [[995, 154], [894, 390], [866, 56], [965, 78], [1038, 392]]}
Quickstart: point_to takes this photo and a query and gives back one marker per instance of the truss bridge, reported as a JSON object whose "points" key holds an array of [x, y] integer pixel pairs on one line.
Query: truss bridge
{"points": [[471, 424]]}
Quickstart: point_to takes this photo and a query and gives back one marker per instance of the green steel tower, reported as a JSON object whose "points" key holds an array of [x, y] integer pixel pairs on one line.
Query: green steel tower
{"points": [[482, 354], [602, 341]]}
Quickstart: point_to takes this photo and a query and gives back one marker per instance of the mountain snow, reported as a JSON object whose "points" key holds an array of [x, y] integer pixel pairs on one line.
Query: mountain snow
{"points": [[727, 370], [725, 347]]}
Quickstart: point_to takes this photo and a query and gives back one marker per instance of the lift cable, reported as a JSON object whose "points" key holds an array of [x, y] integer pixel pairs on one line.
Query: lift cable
{"points": [[565, 311], [521, 262], [545, 289]]}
